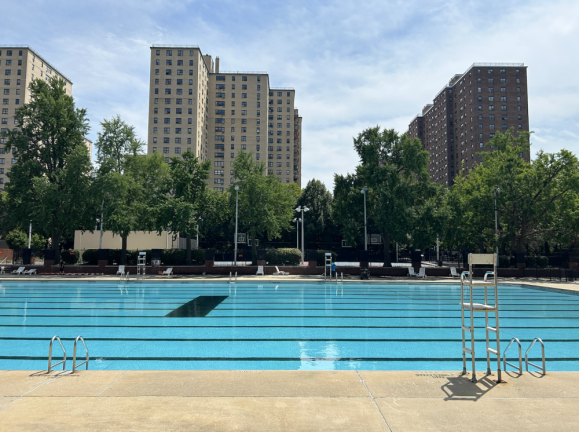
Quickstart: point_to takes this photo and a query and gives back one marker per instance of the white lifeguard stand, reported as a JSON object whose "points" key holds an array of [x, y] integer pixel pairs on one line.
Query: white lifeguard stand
{"points": [[328, 264], [486, 308], [141, 265]]}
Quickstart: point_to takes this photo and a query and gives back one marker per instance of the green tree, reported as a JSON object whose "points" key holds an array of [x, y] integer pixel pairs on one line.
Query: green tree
{"points": [[50, 181], [131, 185], [266, 206], [183, 206], [401, 203], [537, 199], [318, 199], [215, 217]]}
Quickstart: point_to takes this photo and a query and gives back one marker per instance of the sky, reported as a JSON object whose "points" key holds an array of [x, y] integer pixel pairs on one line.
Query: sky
{"points": [[353, 64]]}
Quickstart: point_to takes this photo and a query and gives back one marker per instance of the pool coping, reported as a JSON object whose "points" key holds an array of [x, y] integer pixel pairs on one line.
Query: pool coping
{"points": [[287, 400]]}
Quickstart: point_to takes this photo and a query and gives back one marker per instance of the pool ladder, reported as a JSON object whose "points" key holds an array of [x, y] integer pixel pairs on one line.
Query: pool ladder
{"points": [[63, 361], [527, 362]]}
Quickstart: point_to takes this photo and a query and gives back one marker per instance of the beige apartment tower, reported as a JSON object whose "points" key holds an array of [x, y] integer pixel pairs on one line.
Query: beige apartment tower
{"points": [[19, 65], [194, 106]]}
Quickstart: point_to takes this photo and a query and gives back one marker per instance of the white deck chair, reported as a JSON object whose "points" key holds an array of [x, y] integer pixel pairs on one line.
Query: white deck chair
{"points": [[453, 272], [411, 271], [422, 273], [2, 270], [19, 271], [260, 271], [29, 272], [168, 272], [121, 270], [280, 273]]}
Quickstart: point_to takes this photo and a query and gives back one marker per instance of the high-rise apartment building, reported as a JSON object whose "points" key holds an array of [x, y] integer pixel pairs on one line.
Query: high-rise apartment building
{"points": [[19, 65], [466, 114], [194, 106]]}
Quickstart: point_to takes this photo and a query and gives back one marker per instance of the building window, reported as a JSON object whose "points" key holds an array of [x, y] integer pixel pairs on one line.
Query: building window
{"points": [[491, 126], [177, 150]]}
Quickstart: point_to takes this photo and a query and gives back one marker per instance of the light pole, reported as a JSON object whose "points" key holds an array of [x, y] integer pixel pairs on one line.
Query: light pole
{"points": [[101, 234], [496, 192], [29, 234], [302, 209], [236, 212], [297, 221], [364, 191]]}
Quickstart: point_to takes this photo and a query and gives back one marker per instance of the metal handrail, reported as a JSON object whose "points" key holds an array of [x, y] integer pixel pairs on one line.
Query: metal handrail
{"points": [[505, 362], [527, 362], [488, 274], [63, 361], [74, 366]]}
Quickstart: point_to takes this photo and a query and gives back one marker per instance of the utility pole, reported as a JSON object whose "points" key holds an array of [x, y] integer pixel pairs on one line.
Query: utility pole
{"points": [[364, 191]]}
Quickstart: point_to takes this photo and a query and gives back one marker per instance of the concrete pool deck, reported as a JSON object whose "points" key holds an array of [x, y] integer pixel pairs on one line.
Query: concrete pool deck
{"points": [[351, 401]]}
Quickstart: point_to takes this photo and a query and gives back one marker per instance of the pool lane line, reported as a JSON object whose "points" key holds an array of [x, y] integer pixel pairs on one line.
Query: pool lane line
{"points": [[267, 326], [288, 359], [121, 339], [279, 316]]}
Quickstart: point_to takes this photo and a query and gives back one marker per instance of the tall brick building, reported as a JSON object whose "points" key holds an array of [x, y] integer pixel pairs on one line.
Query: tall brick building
{"points": [[193, 105], [467, 112]]}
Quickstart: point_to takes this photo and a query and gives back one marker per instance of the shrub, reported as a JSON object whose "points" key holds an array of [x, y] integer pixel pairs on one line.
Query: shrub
{"points": [[16, 239], [322, 256], [542, 261], [177, 256], [69, 256], [283, 256], [530, 261], [505, 261], [90, 256]]}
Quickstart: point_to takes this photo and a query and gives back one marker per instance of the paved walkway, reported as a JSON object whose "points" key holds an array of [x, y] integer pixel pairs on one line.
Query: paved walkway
{"points": [[351, 401]]}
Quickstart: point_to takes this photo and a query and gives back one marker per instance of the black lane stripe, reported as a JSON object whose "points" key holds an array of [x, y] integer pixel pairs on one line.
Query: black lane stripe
{"points": [[269, 326], [43, 339], [284, 359], [284, 316], [278, 309]]}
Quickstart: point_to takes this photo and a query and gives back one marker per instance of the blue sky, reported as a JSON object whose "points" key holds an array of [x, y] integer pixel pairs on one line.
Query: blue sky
{"points": [[353, 64]]}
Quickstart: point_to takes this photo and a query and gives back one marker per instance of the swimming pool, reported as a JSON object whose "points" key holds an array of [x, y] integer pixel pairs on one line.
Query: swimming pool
{"points": [[291, 326]]}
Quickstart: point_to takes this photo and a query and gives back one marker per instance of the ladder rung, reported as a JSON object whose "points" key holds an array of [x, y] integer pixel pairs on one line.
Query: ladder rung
{"points": [[466, 350], [492, 351], [468, 329], [492, 329]]}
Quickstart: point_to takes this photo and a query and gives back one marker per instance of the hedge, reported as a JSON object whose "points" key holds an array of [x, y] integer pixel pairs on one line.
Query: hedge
{"points": [[177, 256], [168, 256], [70, 256], [283, 256]]}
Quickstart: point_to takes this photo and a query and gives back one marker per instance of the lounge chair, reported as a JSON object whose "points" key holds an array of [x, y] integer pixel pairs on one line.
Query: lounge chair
{"points": [[453, 272], [260, 271], [29, 272], [121, 270], [19, 271], [422, 273], [2, 270], [280, 273], [168, 272], [411, 272]]}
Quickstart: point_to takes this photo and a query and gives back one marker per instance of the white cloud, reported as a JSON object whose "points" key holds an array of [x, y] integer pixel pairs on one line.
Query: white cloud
{"points": [[353, 64]]}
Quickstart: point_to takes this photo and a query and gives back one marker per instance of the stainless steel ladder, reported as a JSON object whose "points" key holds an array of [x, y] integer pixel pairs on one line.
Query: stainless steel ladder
{"points": [[505, 362], [527, 362], [63, 361], [486, 308], [74, 365]]}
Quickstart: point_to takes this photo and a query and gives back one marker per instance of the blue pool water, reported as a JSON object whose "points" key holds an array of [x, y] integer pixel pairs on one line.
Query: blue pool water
{"points": [[273, 326]]}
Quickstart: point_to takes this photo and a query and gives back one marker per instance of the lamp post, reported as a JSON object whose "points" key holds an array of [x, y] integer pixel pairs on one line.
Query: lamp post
{"points": [[496, 192], [364, 191], [29, 234], [302, 209], [101, 233], [297, 221], [236, 213]]}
